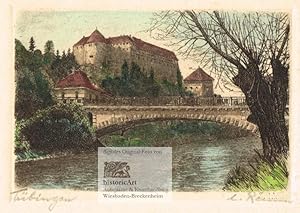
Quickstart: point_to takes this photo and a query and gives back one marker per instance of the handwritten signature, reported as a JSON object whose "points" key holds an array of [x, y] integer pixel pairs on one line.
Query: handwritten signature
{"points": [[26, 195], [256, 197]]}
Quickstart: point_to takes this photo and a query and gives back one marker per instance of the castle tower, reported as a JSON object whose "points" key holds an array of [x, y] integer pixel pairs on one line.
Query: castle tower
{"points": [[88, 50], [78, 50], [199, 83]]}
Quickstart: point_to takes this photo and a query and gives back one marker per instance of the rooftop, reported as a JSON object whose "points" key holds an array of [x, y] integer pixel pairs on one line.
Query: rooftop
{"points": [[96, 36], [197, 76], [76, 79]]}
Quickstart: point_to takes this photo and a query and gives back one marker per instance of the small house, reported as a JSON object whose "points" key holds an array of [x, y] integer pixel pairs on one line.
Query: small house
{"points": [[76, 87]]}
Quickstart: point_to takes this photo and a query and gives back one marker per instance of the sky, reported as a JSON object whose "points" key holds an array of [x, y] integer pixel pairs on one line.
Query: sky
{"points": [[65, 28]]}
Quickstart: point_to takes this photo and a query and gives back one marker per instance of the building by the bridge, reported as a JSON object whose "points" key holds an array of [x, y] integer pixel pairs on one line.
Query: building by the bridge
{"points": [[199, 83], [97, 50], [76, 87]]}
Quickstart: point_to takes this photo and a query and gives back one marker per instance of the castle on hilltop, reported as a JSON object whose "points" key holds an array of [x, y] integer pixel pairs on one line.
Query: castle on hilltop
{"points": [[98, 50]]}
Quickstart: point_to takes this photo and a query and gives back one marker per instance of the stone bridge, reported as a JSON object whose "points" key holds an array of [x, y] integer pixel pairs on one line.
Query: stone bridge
{"points": [[108, 119]]}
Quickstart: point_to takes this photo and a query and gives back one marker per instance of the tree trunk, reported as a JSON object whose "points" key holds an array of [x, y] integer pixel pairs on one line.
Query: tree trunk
{"points": [[267, 103]]}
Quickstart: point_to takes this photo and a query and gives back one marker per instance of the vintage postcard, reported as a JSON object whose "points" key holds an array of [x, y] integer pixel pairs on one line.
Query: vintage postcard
{"points": [[168, 108]]}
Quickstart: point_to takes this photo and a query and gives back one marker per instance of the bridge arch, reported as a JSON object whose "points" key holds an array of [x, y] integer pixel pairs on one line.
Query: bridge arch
{"points": [[125, 122]]}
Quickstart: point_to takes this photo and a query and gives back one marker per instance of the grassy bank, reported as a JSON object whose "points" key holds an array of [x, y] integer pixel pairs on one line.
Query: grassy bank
{"points": [[259, 175]]}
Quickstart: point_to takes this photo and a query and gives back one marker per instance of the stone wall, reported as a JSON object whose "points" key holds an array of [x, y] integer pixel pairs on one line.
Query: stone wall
{"points": [[117, 56], [79, 53], [164, 69]]}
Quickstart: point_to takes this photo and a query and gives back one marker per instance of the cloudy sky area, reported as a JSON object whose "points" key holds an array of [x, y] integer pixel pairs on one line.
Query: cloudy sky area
{"points": [[66, 28]]}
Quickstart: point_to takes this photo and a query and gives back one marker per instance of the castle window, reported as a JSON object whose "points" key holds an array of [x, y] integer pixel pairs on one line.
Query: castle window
{"points": [[62, 95], [91, 56], [76, 95]]}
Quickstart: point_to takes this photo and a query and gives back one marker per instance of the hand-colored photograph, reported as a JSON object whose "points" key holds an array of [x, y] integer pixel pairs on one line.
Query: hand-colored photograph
{"points": [[213, 85]]}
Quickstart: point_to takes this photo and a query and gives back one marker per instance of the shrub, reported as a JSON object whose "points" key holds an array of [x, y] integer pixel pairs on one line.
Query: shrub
{"points": [[59, 127], [261, 175]]}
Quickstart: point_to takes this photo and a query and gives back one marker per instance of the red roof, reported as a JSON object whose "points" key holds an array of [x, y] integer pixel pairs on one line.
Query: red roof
{"points": [[119, 39], [198, 75], [81, 41], [147, 47], [96, 36], [142, 45], [76, 79]]}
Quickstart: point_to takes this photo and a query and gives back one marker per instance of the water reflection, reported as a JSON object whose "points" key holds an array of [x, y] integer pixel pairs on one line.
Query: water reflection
{"points": [[197, 166]]}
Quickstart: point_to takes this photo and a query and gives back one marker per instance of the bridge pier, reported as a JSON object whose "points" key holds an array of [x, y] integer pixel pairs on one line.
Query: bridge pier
{"points": [[94, 120]]}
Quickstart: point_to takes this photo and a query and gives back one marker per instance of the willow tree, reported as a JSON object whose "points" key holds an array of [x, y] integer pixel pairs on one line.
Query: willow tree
{"points": [[248, 50]]}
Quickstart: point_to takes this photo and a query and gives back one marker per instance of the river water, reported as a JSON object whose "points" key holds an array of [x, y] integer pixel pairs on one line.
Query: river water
{"points": [[197, 166]]}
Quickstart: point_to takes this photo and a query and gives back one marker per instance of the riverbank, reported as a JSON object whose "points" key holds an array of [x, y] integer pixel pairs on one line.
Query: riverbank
{"points": [[32, 155], [36, 157], [206, 156]]}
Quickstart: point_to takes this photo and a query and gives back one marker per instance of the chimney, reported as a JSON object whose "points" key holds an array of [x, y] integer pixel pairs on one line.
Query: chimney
{"points": [[73, 70]]}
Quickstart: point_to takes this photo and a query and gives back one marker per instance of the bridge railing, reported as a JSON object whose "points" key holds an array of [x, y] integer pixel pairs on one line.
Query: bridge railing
{"points": [[167, 101]]}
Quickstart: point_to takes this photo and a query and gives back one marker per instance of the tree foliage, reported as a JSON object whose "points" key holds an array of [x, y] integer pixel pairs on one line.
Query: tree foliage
{"points": [[179, 78], [132, 82], [62, 65], [49, 55], [31, 44], [33, 90], [49, 47], [135, 83], [249, 50], [36, 74], [58, 127]]}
